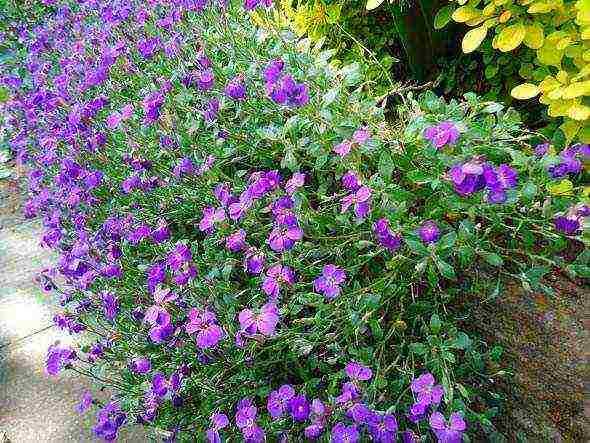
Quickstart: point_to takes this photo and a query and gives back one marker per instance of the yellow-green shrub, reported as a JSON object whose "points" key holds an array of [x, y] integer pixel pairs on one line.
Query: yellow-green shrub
{"points": [[558, 31]]}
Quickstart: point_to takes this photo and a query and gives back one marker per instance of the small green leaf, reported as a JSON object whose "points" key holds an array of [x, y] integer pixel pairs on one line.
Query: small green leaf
{"points": [[386, 166], [443, 16], [418, 349], [492, 259], [445, 269], [529, 190], [435, 324]]}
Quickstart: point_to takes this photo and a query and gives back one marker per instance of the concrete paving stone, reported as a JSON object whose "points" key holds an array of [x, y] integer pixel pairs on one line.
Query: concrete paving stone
{"points": [[35, 408]]}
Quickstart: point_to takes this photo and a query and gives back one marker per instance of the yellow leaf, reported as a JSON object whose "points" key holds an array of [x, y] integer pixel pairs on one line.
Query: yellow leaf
{"points": [[563, 43], [570, 128], [525, 91], [540, 8], [585, 33], [505, 16], [489, 9], [579, 112], [564, 187], [549, 55], [465, 13], [473, 39], [372, 4], [577, 89], [549, 83], [534, 36], [511, 37]]}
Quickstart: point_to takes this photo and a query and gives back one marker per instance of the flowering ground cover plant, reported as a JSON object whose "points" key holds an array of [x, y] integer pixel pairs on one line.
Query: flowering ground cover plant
{"points": [[252, 250]]}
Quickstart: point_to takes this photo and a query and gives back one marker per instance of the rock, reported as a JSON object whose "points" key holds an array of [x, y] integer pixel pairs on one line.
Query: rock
{"points": [[546, 342]]}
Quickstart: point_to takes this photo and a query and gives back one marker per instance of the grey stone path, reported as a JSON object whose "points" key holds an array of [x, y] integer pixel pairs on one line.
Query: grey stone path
{"points": [[33, 407]]}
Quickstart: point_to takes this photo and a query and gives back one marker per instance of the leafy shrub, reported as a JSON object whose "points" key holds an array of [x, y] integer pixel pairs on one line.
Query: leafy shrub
{"points": [[239, 231], [555, 33]]}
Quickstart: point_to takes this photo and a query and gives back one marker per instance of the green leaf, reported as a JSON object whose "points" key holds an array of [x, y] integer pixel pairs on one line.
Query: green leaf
{"points": [[386, 165], [435, 324], [582, 271], [461, 341], [4, 94], [417, 246], [529, 190], [447, 241], [491, 258], [445, 269], [418, 349], [443, 17], [372, 4]]}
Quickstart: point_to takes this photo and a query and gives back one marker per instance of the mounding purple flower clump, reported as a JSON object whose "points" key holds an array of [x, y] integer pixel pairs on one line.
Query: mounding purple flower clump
{"points": [[251, 251]]}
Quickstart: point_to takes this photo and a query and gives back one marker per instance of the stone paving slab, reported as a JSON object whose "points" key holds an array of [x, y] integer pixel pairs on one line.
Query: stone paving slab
{"points": [[33, 407]]}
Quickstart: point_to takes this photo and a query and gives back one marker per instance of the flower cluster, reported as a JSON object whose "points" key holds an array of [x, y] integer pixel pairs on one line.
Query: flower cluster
{"points": [[477, 174], [282, 88]]}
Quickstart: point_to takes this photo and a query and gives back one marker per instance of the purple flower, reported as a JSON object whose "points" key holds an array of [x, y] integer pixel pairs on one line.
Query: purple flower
{"points": [[287, 92], [205, 79], [236, 242], [567, 225], [299, 408], [329, 282], [429, 232], [265, 322], [218, 421], [343, 148], [283, 237], [344, 434], [273, 71], [294, 183], [385, 236], [236, 88], [204, 324], [276, 276], [211, 110], [417, 412], [360, 200], [582, 210], [110, 305], [350, 181], [223, 193], [254, 261], [445, 133], [542, 149], [498, 180], [383, 428], [156, 274], [356, 371], [160, 384], [211, 216], [140, 365], [277, 400], [148, 47], [467, 178], [426, 391], [245, 414], [109, 419], [361, 136], [85, 402], [161, 233], [360, 413], [58, 357], [349, 393], [451, 432]]}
